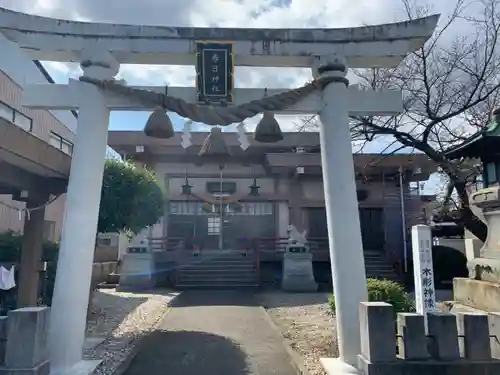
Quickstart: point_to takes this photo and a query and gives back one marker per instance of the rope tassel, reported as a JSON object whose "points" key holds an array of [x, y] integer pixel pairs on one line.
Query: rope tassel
{"points": [[214, 146], [159, 125], [268, 129]]}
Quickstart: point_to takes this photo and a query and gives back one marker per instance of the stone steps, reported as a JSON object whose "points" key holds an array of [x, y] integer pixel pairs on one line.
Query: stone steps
{"points": [[378, 267], [233, 270], [219, 271]]}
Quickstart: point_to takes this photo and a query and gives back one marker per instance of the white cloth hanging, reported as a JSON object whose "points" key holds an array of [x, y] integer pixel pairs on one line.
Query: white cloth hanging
{"points": [[7, 280]]}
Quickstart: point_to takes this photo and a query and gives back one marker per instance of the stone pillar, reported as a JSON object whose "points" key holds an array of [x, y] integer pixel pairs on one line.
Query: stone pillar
{"points": [[26, 350], [344, 232], [483, 264], [74, 267], [31, 253]]}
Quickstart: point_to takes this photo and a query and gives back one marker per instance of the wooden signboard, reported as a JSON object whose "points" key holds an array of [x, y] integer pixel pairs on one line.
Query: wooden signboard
{"points": [[214, 72]]}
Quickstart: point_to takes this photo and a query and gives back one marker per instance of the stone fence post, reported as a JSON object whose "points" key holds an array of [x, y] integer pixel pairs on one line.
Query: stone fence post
{"points": [[25, 349], [453, 344]]}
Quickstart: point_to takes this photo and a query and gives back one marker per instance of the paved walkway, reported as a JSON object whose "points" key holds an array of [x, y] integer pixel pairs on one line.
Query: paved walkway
{"points": [[214, 333]]}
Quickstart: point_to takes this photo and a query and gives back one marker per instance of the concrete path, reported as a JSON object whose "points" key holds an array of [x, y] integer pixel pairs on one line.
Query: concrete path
{"points": [[214, 333]]}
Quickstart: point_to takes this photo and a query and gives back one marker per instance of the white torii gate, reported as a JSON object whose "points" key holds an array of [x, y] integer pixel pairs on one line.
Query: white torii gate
{"points": [[103, 47]]}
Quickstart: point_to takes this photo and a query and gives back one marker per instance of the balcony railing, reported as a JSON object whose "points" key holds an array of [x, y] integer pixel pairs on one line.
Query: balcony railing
{"points": [[262, 244], [13, 115], [61, 143]]}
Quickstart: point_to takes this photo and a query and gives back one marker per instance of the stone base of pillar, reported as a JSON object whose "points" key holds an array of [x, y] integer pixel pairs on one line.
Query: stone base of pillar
{"points": [[137, 272], [41, 369], [334, 366], [478, 294], [298, 273], [81, 368]]}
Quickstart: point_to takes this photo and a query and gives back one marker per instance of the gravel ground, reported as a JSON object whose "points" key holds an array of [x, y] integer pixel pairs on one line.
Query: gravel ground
{"points": [[306, 322], [122, 318]]}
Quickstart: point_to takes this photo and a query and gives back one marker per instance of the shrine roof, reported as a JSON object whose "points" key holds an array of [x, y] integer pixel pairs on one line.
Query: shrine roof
{"points": [[281, 154], [479, 144]]}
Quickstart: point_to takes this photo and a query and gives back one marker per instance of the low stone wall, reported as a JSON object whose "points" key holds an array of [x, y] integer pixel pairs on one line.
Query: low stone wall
{"points": [[458, 344], [101, 271], [105, 254], [23, 341]]}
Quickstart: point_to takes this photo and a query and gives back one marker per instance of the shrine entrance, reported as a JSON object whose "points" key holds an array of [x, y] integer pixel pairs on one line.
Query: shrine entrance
{"points": [[197, 225], [212, 100], [371, 225]]}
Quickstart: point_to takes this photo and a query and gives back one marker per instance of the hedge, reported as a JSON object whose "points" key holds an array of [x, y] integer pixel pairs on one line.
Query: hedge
{"points": [[385, 291]]}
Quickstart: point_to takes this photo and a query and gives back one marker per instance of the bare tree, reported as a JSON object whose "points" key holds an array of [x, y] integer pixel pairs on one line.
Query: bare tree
{"points": [[449, 89]]}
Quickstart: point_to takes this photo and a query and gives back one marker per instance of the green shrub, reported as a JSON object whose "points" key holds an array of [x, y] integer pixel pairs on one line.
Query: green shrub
{"points": [[11, 244], [385, 291]]}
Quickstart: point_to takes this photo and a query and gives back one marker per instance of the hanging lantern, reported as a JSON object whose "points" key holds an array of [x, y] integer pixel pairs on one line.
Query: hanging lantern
{"points": [[214, 148], [186, 188], [268, 129], [159, 125], [254, 189]]}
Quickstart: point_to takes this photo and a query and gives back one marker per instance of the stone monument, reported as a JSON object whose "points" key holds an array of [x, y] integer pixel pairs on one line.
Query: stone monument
{"points": [[137, 269], [298, 275]]}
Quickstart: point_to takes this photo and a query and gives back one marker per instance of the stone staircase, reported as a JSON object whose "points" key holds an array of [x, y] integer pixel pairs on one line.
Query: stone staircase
{"points": [[212, 269], [378, 267]]}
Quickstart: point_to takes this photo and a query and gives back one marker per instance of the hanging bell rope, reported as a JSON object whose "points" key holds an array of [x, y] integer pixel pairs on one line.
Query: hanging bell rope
{"points": [[268, 129], [222, 116], [159, 124], [214, 145]]}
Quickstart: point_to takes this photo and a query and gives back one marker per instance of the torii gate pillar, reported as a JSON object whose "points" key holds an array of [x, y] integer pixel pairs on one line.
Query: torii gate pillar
{"points": [[76, 253], [341, 202]]}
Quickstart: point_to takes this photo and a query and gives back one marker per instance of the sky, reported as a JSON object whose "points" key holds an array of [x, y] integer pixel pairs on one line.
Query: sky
{"points": [[216, 13]]}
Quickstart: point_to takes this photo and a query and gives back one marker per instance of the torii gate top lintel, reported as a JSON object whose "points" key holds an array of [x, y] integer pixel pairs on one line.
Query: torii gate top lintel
{"points": [[62, 40]]}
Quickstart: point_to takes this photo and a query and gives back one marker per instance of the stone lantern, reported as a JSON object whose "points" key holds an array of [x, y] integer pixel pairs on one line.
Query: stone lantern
{"points": [[482, 289]]}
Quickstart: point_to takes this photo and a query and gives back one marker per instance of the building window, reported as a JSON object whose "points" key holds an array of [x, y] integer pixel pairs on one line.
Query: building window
{"points": [[225, 187], [243, 208], [186, 208], [61, 143], [213, 225], [10, 114], [257, 208], [104, 241]]}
